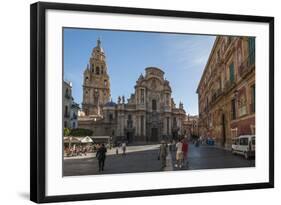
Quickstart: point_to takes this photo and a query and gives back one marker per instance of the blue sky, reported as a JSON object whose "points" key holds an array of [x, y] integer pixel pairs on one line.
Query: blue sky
{"points": [[182, 57]]}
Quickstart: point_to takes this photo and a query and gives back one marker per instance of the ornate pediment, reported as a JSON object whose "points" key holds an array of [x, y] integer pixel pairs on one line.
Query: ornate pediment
{"points": [[154, 84]]}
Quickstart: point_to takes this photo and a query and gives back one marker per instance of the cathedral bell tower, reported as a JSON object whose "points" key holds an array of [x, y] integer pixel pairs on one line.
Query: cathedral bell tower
{"points": [[96, 84]]}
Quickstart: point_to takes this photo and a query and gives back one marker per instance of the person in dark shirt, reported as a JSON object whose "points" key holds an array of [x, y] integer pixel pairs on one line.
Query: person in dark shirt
{"points": [[101, 155]]}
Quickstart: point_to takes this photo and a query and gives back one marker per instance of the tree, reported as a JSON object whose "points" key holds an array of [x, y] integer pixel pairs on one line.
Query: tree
{"points": [[81, 132], [66, 131]]}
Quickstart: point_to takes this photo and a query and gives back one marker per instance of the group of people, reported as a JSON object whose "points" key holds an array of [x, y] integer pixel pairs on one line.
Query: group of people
{"points": [[76, 150], [181, 153], [123, 146], [181, 150]]}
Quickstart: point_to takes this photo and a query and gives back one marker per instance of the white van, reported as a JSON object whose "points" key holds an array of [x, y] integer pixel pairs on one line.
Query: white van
{"points": [[244, 145]]}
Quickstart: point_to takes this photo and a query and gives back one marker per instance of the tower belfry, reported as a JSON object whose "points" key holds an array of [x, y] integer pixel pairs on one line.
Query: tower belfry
{"points": [[96, 83], [98, 42]]}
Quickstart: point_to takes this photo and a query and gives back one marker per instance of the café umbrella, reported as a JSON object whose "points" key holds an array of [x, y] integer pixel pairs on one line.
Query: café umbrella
{"points": [[86, 139]]}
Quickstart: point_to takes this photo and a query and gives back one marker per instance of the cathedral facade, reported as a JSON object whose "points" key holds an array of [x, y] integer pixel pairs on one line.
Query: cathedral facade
{"points": [[149, 115]]}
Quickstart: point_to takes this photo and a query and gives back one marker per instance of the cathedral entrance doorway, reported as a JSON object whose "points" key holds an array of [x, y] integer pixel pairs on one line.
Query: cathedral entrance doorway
{"points": [[175, 135], [129, 137], [154, 134]]}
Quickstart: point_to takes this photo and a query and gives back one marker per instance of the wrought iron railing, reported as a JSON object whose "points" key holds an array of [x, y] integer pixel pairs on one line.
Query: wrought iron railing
{"points": [[229, 84], [248, 65], [216, 95], [67, 96], [74, 117]]}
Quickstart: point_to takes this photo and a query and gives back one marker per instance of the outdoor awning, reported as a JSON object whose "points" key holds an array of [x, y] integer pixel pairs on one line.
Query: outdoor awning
{"points": [[86, 139], [72, 140], [100, 137]]}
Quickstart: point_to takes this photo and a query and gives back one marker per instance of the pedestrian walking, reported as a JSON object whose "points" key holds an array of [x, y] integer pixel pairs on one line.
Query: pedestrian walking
{"points": [[197, 143], [84, 151], [200, 138], [101, 155], [179, 154], [185, 151], [173, 145], [124, 148], [163, 154], [170, 146]]}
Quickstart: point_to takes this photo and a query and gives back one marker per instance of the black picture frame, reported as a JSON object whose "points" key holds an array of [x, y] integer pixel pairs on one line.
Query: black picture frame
{"points": [[38, 100]]}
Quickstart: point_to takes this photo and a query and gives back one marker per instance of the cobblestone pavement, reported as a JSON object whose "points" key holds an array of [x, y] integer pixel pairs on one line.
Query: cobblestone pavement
{"points": [[145, 159], [210, 157]]}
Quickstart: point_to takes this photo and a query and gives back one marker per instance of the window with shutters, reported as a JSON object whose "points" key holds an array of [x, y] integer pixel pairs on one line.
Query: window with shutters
{"points": [[242, 105], [253, 98], [231, 72], [251, 46], [233, 109]]}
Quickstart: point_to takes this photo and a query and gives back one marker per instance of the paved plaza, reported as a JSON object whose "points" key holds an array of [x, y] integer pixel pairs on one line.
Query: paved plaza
{"points": [[145, 159]]}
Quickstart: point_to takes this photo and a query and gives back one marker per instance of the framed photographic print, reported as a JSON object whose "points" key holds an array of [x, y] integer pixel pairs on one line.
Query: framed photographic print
{"points": [[129, 102]]}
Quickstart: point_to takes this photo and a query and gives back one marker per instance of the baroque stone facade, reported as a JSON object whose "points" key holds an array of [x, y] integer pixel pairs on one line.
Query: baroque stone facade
{"points": [[226, 92], [149, 115]]}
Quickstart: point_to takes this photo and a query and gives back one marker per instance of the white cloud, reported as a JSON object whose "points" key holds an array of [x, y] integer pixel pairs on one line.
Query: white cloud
{"points": [[189, 51]]}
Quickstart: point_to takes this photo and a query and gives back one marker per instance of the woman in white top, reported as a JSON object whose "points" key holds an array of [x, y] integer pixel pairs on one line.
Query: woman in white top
{"points": [[179, 154]]}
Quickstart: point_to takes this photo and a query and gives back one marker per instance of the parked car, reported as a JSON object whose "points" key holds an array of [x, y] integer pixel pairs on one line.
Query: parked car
{"points": [[244, 145]]}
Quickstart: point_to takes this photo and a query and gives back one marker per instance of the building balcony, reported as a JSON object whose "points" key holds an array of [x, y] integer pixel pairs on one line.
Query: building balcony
{"points": [[75, 105], [67, 96], [228, 47], [247, 66], [216, 95], [233, 115], [74, 117], [219, 61], [229, 85], [217, 67]]}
